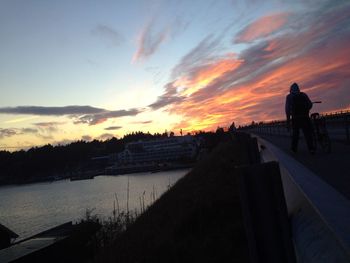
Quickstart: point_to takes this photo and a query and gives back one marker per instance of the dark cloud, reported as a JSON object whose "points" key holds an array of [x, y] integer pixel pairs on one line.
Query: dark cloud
{"points": [[29, 130], [143, 122], [80, 114], [86, 138], [7, 133], [112, 128], [93, 119], [164, 101], [14, 131], [146, 122], [54, 111], [170, 97], [108, 33]]}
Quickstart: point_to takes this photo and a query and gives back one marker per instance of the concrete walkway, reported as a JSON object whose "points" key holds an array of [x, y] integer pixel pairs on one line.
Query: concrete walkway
{"points": [[333, 168]]}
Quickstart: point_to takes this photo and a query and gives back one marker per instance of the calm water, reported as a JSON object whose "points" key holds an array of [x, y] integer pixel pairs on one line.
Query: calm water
{"points": [[30, 209]]}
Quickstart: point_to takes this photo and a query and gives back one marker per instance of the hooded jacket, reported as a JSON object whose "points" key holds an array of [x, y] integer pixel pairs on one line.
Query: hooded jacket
{"points": [[298, 103]]}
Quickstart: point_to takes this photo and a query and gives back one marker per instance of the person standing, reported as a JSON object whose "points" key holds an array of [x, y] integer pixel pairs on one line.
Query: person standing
{"points": [[232, 128], [297, 108]]}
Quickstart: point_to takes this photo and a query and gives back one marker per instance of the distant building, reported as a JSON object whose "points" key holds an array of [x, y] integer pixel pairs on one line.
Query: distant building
{"points": [[169, 149]]}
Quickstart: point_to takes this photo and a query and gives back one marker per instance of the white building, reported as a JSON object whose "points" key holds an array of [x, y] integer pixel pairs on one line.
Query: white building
{"points": [[159, 150]]}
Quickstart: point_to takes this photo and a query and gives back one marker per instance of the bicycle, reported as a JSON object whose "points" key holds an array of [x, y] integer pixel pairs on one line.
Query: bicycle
{"points": [[320, 133]]}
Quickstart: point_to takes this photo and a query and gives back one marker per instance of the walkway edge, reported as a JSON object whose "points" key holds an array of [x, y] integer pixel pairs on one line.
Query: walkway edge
{"points": [[331, 206]]}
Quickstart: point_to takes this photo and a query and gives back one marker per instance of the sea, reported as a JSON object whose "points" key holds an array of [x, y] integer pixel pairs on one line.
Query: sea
{"points": [[33, 208]]}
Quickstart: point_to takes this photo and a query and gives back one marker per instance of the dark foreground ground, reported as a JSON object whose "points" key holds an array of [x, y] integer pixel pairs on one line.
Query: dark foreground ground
{"points": [[197, 220]]}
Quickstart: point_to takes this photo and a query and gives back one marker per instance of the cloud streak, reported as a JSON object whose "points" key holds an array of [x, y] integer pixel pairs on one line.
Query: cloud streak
{"points": [[48, 124], [143, 122], [80, 114], [108, 33], [149, 41], [51, 111], [97, 118], [170, 97], [151, 37], [201, 54], [112, 128], [48, 127], [5, 133], [262, 27]]}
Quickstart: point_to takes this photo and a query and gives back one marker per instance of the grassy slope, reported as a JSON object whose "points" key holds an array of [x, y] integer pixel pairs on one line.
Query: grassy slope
{"points": [[198, 220]]}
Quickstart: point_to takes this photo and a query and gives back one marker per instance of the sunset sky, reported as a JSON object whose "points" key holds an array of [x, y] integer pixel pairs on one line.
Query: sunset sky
{"points": [[85, 69]]}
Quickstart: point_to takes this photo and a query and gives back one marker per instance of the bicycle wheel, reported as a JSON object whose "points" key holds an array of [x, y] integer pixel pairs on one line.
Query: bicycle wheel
{"points": [[325, 143]]}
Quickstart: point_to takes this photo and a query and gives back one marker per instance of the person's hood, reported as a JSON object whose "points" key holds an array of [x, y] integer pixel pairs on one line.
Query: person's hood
{"points": [[294, 89]]}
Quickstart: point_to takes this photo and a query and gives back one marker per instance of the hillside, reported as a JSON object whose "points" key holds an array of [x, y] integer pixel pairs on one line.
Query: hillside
{"points": [[198, 220]]}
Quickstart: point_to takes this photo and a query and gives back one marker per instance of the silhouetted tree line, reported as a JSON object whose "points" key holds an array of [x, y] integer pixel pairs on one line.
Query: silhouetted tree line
{"points": [[48, 161]]}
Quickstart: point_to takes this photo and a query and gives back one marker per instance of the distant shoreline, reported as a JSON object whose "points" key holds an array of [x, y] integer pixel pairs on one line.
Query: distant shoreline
{"points": [[130, 170]]}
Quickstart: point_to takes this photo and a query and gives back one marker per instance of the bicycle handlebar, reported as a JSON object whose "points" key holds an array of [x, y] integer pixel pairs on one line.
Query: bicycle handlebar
{"points": [[316, 102]]}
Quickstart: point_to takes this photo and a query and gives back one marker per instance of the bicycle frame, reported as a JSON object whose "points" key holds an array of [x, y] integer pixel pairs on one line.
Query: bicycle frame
{"points": [[320, 132]]}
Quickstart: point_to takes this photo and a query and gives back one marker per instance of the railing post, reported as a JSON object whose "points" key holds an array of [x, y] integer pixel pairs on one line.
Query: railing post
{"points": [[347, 127]]}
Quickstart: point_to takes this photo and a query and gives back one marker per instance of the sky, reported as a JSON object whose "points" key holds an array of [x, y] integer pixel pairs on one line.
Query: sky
{"points": [[86, 69]]}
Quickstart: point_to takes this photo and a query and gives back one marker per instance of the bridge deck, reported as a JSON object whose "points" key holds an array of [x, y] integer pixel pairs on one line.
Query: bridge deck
{"points": [[333, 168]]}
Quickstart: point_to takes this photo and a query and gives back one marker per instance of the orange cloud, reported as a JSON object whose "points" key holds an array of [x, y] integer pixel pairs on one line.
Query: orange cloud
{"points": [[206, 75], [262, 27]]}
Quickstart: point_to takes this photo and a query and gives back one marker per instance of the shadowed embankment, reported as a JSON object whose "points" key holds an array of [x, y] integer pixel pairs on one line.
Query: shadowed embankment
{"points": [[199, 219]]}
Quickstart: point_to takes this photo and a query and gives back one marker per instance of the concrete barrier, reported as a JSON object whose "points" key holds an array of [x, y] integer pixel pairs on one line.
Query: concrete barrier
{"points": [[319, 215]]}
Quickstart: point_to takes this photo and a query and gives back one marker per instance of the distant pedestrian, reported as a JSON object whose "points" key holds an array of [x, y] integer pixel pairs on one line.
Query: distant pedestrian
{"points": [[232, 128], [298, 106]]}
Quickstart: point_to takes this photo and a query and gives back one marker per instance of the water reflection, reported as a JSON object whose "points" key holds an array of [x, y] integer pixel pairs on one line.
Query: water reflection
{"points": [[29, 209]]}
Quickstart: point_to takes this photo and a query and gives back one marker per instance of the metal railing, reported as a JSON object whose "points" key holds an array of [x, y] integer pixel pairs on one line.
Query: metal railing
{"points": [[337, 123]]}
